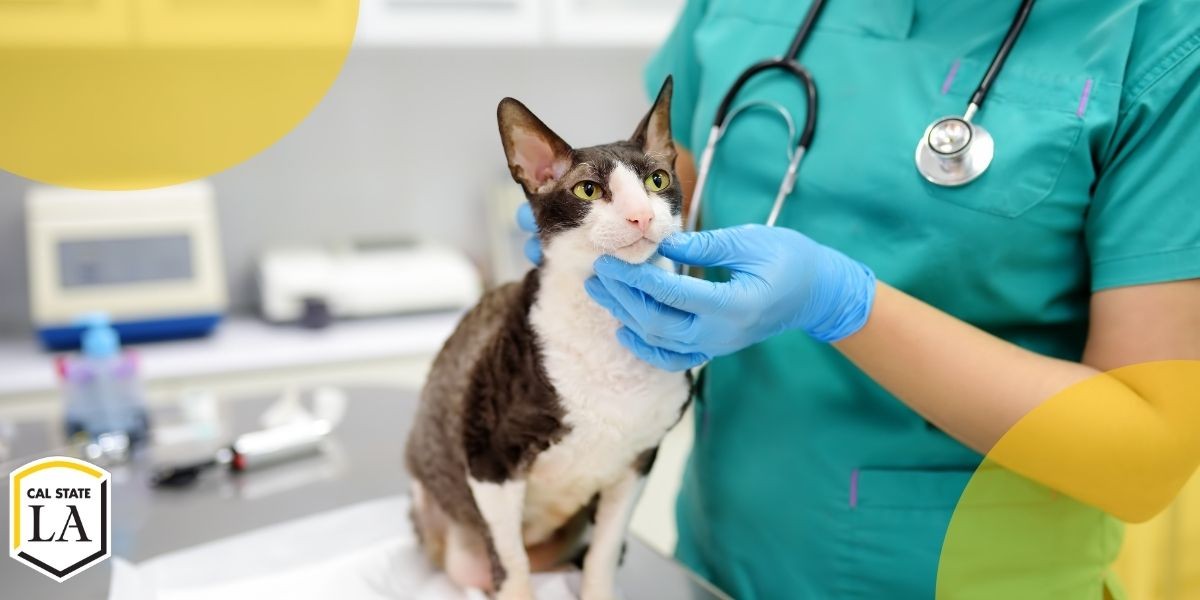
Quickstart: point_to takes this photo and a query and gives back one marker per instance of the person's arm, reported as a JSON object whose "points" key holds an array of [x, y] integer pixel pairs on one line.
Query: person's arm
{"points": [[1129, 440], [1127, 452], [685, 173], [977, 387], [956, 376], [933, 361]]}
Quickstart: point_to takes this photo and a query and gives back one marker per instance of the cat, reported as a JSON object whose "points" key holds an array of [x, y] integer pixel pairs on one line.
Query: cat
{"points": [[535, 425]]}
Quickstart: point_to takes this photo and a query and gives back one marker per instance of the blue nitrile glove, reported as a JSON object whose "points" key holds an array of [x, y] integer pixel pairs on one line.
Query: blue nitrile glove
{"points": [[533, 246], [779, 280]]}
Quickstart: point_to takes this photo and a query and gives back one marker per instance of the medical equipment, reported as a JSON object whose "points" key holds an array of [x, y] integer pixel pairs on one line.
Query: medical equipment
{"points": [[954, 150], [248, 451], [290, 430], [724, 117], [149, 259], [364, 279]]}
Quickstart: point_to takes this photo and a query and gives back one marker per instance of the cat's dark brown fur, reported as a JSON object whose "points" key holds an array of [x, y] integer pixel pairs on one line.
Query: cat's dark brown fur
{"points": [[489, 415]]}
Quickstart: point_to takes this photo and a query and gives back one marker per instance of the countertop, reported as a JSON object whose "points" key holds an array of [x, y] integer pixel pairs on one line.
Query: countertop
{"points": [[362, 462], [246, 344]]}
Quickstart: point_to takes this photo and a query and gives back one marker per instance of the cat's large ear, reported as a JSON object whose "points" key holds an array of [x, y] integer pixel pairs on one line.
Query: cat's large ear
{"points": [[536, 155], [654, 132]]}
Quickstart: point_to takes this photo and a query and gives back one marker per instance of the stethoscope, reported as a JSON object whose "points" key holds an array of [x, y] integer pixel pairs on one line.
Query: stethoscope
{"points": [[953, 151]]}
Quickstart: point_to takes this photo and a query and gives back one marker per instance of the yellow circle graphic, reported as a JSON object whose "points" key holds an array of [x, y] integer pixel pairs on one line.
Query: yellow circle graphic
{"points": [[132, 94], [1045, 514]]}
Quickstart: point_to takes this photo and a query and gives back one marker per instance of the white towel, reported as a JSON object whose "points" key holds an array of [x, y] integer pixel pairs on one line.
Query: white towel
{"points": [[343, 553]]}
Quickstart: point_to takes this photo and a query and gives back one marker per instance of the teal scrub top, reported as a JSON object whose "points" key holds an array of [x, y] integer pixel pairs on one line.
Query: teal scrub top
{"points": [[807, 479]]}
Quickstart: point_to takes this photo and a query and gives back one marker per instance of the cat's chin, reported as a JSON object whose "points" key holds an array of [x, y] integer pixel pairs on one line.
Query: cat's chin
{"points": [[637, 252]]}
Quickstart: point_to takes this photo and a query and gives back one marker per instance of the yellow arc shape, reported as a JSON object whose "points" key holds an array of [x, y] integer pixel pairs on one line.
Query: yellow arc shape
{"points": [[1042, 517], [132, 94]]}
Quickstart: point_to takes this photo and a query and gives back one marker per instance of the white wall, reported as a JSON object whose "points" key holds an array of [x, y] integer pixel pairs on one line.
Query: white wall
{"points": [[404, 144]]}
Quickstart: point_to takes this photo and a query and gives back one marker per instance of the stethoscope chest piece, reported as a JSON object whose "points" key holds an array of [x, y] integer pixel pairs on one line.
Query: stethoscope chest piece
{"points": [[954, 151]]}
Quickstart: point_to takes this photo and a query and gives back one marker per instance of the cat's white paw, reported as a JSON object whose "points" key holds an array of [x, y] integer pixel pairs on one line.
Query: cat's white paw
{"points": [[515, 590], [598, 590], [605, 595]]}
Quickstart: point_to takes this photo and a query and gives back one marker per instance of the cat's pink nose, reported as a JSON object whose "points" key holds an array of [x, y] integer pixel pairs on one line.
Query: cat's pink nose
{"points": [[630, 199], [640, 218]]}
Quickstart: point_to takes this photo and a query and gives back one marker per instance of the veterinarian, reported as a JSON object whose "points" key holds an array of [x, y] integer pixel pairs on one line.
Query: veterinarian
{"points": [[866, 351]]}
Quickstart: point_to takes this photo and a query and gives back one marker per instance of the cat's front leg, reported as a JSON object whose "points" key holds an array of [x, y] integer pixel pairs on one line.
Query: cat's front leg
{"points": [[502, 505], [608, 536]]}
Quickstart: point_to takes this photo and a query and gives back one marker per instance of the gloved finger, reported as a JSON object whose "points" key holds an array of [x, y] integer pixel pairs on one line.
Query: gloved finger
{"points": [[600, 294], [603, 296], [525, 218], [658, 357], [533, 250], [685, 293], [658, 324], [711, 248]]}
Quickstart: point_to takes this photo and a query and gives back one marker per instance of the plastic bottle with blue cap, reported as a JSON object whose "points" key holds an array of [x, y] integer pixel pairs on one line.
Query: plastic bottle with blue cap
{"points": [[103, 393]]}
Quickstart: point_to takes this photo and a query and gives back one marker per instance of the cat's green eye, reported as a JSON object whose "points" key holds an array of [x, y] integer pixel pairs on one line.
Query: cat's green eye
{"points": [[658, 181], [586, 190]]}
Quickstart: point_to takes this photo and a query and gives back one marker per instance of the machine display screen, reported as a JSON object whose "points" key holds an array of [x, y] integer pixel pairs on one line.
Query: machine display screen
{"points": [[87, 263]]}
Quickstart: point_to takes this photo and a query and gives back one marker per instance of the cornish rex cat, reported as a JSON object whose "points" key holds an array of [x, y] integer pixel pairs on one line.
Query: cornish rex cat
{"points": [[535, 420]]}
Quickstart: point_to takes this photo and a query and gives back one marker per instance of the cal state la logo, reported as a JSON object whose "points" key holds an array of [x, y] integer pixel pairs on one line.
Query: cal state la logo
{"points": [[60, 516]]}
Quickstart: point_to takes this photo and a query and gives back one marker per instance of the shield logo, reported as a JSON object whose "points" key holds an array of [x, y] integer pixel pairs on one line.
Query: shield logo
{"points": [[60, 516]]}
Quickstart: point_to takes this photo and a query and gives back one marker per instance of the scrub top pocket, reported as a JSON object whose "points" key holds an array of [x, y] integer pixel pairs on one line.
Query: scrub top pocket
{"points": [[1011, 538], [893, 532], [1035, 123]]}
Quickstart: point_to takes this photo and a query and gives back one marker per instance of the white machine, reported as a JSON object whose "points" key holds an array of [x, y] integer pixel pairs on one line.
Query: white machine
{"points": [[365, 279], [149, 259]]}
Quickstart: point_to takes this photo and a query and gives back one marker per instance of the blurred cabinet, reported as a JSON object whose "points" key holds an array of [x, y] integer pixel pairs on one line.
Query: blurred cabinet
{"points": [[611, 22], [245, 22], [65, 23], [61, 23], [456, 22], [516, 22]]}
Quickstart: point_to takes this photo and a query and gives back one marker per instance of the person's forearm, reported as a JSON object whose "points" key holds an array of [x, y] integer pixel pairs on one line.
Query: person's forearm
{"points": [[1125, 451], [1120, 442], [685, 172], [969, 383]]}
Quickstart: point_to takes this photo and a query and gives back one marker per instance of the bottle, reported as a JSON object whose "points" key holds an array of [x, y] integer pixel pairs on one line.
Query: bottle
{"points": [[103, 392]]}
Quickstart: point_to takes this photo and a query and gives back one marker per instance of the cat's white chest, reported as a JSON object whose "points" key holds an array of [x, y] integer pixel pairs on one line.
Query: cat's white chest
{"points": [[615, 405]]}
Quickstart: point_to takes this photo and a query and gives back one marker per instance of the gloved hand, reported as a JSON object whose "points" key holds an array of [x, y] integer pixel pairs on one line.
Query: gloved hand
{"points": [[779, 280], [533, 246]]}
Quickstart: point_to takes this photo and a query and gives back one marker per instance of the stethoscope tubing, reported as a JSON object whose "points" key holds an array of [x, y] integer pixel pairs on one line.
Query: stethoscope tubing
{"points": [[724, 117], [789, 62], [998, 59]]}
